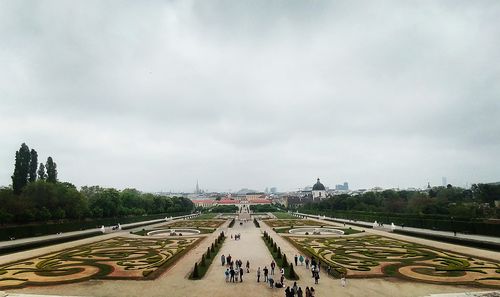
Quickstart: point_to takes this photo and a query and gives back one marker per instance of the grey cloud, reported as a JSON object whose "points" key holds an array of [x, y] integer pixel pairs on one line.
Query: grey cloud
{"points": [[252, 93]]}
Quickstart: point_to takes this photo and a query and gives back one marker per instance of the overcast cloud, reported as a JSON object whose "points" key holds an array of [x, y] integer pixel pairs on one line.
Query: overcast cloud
{"points": [[157, 94]]}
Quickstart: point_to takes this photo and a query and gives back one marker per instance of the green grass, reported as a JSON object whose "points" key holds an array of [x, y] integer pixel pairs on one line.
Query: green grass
{"points": [[205, 216], [283, 215]]}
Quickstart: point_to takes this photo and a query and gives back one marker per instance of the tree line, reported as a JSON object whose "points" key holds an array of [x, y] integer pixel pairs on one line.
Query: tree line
{"points": [[476, 202], [38, 196], [27, 169]]}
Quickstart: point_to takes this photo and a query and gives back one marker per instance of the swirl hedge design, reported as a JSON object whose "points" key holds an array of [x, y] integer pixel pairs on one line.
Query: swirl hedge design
{"points": [[115, 258], [377, 256]]}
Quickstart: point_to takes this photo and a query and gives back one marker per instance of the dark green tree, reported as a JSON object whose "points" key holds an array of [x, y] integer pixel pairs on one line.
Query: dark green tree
{"points": [[33, 165], [21, 169], [41, 172], [284, 262], [51, 170], [195, 273]]}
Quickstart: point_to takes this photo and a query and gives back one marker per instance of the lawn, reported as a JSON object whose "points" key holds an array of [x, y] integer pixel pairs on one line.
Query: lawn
{"points": [[283, 215], [293, 222]]}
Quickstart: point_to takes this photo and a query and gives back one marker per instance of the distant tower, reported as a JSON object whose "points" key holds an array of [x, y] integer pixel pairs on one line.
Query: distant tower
{"points": [[428, 185], [197, 188], [444, 181]]}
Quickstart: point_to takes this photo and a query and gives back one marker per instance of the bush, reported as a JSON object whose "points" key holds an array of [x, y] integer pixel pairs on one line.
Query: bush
{"points": [[195, 273], [291, 272], [284, 262]]}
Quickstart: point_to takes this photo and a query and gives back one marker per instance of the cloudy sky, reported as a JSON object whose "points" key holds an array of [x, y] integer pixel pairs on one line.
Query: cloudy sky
{"points": [[157, 94]]}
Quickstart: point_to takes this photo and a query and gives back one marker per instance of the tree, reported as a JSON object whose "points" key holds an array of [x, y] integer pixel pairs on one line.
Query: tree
{"points": [[41, 172], [195, 273], [21, 169], [51, 170], [33, 165]]}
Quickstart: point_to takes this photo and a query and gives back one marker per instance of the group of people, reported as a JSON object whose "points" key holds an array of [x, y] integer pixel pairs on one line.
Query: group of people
{"points": [[297, 291], [234, 268], [236, 236]]}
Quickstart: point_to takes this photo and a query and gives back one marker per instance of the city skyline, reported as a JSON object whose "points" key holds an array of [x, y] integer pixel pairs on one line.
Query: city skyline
{"points": [[252, 94]]}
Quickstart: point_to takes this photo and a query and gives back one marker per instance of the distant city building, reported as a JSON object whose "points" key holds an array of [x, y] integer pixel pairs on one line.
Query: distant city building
{"points": [[344, 187], [318, 191], [274, 190], [444, 181]]}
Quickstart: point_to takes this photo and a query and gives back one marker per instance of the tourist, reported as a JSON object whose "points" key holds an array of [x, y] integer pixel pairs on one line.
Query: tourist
{"points": [[343, 281], [312, 292], [308, 292], [301, 260], [307, 263], [296, 258], [313, 269], [273, 264], [316, 277], [299, 292], [282, 271], [271, 282], [266, 271], [228, 259], [241, 274], [258, 274], [248, 266], [226, 273], [223, 259], [287, 292], [231, 272], [282, 279], [295, 288]]}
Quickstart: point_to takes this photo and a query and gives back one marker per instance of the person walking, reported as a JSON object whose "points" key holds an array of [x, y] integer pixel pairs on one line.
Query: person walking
{"points": [[343, 281], [296, 258], [282, 271], [223, 259], [295, 288], [287, 292], [299, 292], [258, 274], [308, 292], [241, 274], [266, 272], [313, 293], [248, 266], [273, 264], [231, 272], [301, 260], [307, 263], [226, 273], [316, 277]]}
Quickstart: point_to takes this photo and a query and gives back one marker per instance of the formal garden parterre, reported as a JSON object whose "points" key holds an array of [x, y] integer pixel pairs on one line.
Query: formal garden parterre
{"points": [[115, 258], [377, 256]]}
